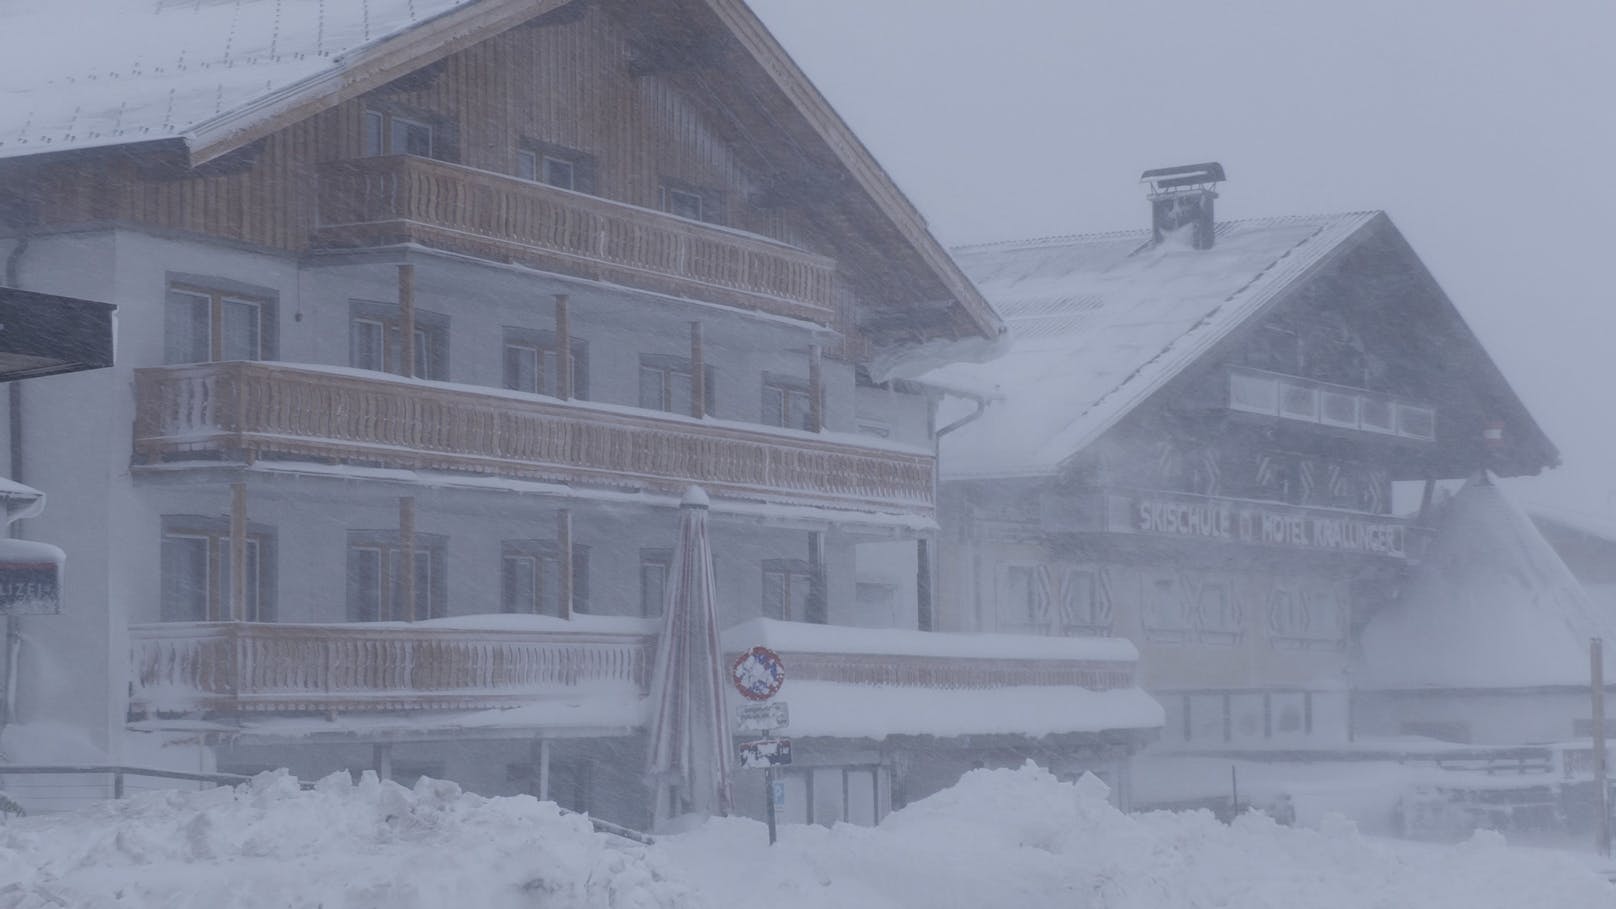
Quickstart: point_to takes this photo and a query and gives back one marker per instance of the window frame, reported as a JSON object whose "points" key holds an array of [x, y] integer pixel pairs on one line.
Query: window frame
{"points": [[389, 546], [542, 342], [215, 296], [669, 366], [654, 559], [431, 326], [546, 558], [709, 202], [786, 388], [581, 163], [788, 570], [442, 138], [215, 532]]}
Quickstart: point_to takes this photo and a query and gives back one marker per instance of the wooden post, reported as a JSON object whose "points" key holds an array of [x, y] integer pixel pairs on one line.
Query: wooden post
{"points": [[816, 390], [238, 552], [818, 607], [406, 319], [564, 558], [382, 760], [544, 770], [563, 340], [1596, 673], [924, 620], [698, 373], [406, 557]]}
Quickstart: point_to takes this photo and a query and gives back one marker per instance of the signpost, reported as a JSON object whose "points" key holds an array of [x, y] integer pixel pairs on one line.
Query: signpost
{"points": [[758, 674]]}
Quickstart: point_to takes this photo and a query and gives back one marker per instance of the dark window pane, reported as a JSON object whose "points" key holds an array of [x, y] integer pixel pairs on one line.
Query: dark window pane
{"points": [[558, 172], [241, 330], [364, 584], [187, 328], [652, 388], [185, 578], [373, 133], [527, 166], [520, 584], [369, 345]]}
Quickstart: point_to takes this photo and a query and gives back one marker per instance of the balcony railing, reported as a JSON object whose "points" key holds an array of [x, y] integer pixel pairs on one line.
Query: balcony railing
{"points": [[1293, 398], [242, 667], [249, 409], [391, 200], [247, 667]]}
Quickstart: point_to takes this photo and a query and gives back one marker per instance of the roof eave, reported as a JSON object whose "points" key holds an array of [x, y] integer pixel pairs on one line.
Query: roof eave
{"points": [[871, 177]]}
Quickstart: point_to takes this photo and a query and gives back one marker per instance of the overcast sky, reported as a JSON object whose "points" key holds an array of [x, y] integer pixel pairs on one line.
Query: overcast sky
{"points": [[1487, 130]]}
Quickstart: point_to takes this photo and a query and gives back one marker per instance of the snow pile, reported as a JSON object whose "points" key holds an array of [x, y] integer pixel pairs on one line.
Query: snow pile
{"points": [[339, 846], [1021, 838], [999, 838]]}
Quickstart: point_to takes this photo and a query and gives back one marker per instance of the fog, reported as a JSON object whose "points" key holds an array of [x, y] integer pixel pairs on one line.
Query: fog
{"points": [[1482, 128]]}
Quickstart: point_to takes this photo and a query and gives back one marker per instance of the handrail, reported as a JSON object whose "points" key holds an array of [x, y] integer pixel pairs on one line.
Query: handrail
{"points": [[247, 408], [397, 199]]}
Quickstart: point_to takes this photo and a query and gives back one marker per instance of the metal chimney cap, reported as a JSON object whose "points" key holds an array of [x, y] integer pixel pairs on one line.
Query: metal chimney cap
{"points": [[1165, 179]]}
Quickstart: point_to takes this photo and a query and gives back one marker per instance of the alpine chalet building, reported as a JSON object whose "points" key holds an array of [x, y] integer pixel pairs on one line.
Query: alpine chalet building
{"points": [[428, 314], [1193, 441]]}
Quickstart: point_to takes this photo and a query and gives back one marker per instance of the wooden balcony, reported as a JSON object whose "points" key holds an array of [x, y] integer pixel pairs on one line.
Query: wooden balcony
{"points": [[386, 201], [254, 409], [243, 667], [240, 667], [1256, 391]]}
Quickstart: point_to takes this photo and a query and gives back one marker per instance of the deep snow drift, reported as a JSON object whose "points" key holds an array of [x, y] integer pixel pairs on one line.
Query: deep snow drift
{"points": [[999, 838]]}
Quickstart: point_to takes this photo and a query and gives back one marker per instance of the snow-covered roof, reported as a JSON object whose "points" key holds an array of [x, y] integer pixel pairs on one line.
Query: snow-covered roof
{"points": [[80, 74], [849, 710], [1099, 322], [1490, 606]]}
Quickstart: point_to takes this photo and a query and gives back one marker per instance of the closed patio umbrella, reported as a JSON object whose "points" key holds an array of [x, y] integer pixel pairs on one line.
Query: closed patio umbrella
{"points": [[689, 749]]}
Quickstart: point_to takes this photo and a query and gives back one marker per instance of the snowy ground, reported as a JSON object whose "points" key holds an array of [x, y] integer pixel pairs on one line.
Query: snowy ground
{"points": [[999, 838]]}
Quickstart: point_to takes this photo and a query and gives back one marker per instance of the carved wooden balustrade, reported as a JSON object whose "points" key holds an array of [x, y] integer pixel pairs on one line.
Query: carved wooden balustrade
{"points": [[189, 667], [390, 200], [240, 666], [250, 409]]}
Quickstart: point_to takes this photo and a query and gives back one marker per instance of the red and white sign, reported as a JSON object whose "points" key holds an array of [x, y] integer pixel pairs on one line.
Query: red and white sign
{"points": [[758, 674]]}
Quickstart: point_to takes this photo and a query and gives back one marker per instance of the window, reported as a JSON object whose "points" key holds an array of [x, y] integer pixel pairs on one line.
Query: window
{"points": [[656, 567], [787, 402], [665, 384], [530, 578], [376, 587], [197, 570], [390, 132], [531, 362], [556, 166], [373, 340], [1019, 602], [683, 203], [786, 586], [201, 325]]}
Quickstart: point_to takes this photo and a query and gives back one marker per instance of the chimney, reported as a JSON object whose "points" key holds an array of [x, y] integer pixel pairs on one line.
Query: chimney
{"points": [[1181, 199]]}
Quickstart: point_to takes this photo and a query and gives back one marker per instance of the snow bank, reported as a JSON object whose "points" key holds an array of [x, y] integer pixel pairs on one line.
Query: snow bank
{"points": [[340, 846], [999, 838], [1021, 838]]}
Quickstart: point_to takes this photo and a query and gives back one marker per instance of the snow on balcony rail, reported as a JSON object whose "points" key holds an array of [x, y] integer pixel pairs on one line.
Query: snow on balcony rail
{"points": [[247, 409], [938, 660]]}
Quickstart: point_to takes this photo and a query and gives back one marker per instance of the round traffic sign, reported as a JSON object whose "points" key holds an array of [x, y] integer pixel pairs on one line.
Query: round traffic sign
{"points": [[758, 674]]}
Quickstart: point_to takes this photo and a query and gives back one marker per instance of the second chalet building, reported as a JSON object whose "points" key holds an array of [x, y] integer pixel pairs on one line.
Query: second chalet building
{"points": [[1193, 443], [428, 312]]}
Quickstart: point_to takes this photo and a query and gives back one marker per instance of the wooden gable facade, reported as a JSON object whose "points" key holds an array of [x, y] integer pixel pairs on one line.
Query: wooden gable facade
{"points": [[651, 110]]}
